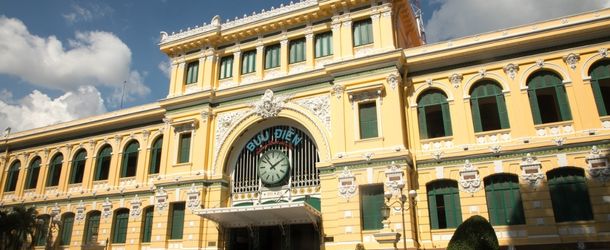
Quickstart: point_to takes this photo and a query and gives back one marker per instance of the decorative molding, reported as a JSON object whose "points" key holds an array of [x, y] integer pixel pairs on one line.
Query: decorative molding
{"points": [[223, 123], [531, 170], [394, 179], [319, 106], [603, 52], [337, 90], [269, 105], [205, 115], [572, 60], [160, 199], [136, 207], [217, 25], [540, 63], [437, 155], [193, 198], [368, 156], [482, 73], [80, 211], [511, 70], [106, 208], [185, 126], [456, 79], [394, 80], [55, 212], [559, 141], [365, 95], [469, 178], [599, 168], [495, 149], [347, 184]]}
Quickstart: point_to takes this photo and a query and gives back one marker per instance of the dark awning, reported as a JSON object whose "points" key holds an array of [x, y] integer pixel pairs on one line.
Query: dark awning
{"points": [[263, 215]]}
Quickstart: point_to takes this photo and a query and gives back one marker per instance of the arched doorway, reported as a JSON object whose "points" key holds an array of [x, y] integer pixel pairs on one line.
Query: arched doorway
{"points": [[274, 189]]}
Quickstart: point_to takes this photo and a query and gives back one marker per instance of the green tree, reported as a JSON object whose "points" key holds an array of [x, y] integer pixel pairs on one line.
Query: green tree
{"points": [[18, 227], [474, 234]]}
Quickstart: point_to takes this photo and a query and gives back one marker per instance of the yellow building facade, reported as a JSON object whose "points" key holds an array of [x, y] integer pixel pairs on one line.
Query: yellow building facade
{"points": [[296, 127]]}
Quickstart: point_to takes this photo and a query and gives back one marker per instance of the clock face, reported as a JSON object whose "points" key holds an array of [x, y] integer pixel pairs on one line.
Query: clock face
{"points": [[273, 167]]}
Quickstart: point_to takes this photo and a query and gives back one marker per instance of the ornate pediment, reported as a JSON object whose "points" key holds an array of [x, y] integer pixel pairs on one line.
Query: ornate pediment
{"points": [[269, 105]]}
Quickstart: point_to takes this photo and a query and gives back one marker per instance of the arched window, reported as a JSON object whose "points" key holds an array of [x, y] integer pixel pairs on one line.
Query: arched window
{"points": [[102, 166], [444, 204], [130, 159], [65, 231], [504, 199], [147, 224], [92, 227], [433, 113], [488, 107], [78, 167], [33, 173], [12, 177], [40, 239], [119, 226], [155, 156], [548, 98], [569, 194], [55, 170], [600, 83]]}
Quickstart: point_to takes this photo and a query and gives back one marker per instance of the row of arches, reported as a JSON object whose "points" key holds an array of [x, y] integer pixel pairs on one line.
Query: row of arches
{"points": [[118, 230], [547, 98], [567, 187], [128, 167]]}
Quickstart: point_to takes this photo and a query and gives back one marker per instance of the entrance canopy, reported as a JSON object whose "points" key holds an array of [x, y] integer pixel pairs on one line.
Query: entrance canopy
{"points": [[263, 215]]}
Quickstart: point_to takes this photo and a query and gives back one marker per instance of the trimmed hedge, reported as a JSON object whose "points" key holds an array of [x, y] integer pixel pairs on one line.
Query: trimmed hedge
{"points": [[474, 234]]}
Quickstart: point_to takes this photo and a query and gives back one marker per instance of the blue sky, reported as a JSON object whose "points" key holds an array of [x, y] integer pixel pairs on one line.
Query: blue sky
{"points": [[65, 59]]}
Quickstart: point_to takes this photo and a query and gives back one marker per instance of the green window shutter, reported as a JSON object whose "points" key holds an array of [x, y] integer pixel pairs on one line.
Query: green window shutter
{"points": [[55, 171], [502, 113], [226, 67], [323, 44], [155, 158], [476, 115], [599, 100], [248, 62], [363, 32], [297, 50], [564, 106], [192, 72], [185, 148], [119, 227], [272, 56], [423, 126], [66, 230], [41, 236], [534, 105], [446, 119], [92, 227], [368, 120], [33, 173], [569, 194], [13, 175], [148, 223], [130, 160], [103, 163], [177, 223], [371, 200], [78, 167], [432, 209]]}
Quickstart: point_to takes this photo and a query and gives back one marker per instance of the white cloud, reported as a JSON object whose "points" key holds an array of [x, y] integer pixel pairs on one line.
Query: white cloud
{"points": [[165, 67], [38, 109], [85, 14], [466, 17], [92, 58]]}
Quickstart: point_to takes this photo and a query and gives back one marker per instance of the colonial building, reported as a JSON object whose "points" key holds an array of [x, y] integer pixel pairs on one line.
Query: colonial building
{"points": [[328, 124]]}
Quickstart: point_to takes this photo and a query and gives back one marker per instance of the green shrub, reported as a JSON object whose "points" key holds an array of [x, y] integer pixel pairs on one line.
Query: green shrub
{"points": [[474, 234]]}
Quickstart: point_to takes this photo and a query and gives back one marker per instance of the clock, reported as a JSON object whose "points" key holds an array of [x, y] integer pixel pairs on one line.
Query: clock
{"points": [[273, 167]]}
